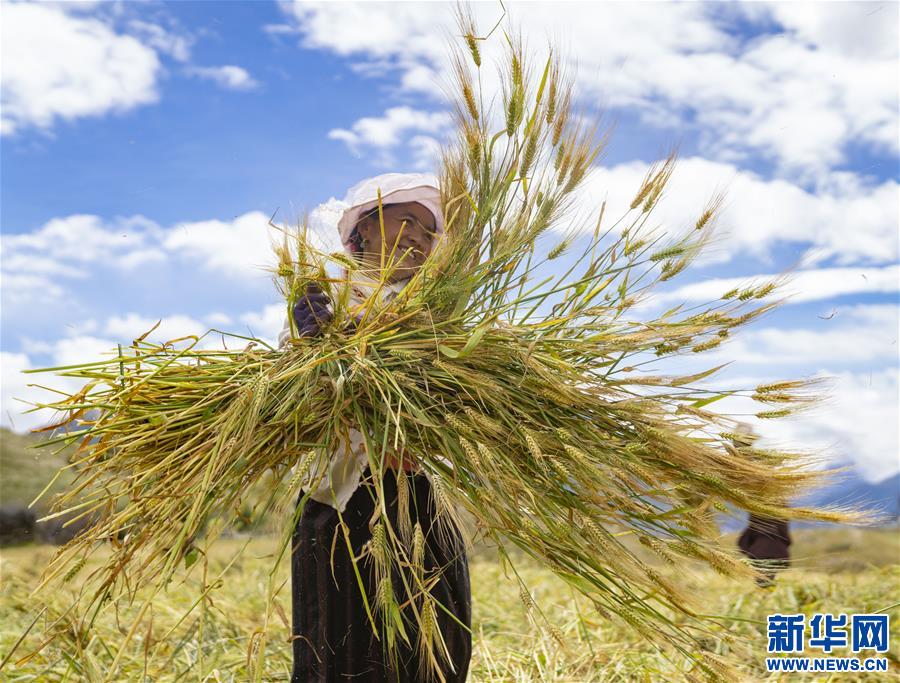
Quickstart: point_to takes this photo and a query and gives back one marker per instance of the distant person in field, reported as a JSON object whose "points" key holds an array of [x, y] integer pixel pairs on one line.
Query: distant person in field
{"points": [[766, 540], [332, 636]]}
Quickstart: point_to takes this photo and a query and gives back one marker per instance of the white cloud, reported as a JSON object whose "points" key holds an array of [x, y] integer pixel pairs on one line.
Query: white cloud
{"points": [[228, 76], [28, 289], [70, 60], [323, 222], [852, 29], [34, 263], [130, 326], [425, 151], [855, 353], [177, 46], [18, 397], [389, 30], [37, 264], [64, 66], [218, 319], [139, 257], [15, 394], [823, 77], [237, 247], [854, 336], [856, 422], [82, 348], [388, 131], [80, 239], [79, 346], [13, 387], [804, 285], [846, 219], [266, 324], [806, 107]]}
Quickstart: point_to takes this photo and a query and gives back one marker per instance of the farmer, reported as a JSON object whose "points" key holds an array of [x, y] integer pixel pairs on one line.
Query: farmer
{"points": [[332, 636], [765, 540]]}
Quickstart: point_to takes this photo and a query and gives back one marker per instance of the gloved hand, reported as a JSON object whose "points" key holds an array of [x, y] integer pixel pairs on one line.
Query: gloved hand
{"points": [[311, 311]]}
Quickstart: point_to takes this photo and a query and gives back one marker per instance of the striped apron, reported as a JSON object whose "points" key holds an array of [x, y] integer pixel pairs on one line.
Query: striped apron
{"points": [[332, 636]]}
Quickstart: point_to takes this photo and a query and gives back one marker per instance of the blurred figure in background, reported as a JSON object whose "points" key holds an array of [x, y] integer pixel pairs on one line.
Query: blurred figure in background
{"points": [[766, 540]]}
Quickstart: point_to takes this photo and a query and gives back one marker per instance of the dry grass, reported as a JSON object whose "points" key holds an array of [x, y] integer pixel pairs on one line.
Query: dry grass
{"points": [[212, 645]]}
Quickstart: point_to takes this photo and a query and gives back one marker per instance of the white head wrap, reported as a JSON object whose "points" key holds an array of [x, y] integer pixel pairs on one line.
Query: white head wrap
{"points": [[396, 188]]}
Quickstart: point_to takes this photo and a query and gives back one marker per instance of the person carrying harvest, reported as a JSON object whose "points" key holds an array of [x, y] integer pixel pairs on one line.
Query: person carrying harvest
{"points": [[766, 540], [332, 636]]}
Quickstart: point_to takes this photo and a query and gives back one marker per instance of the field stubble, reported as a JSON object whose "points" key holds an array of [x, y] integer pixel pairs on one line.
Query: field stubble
{"points": [[835, 570]]}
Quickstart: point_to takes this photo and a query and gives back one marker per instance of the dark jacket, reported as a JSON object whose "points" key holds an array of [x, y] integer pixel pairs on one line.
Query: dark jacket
{"points": [[765, 539]]}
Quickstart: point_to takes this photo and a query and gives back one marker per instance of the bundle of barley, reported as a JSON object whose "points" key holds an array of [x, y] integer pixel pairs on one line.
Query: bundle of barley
{"points": [[526, 400]]}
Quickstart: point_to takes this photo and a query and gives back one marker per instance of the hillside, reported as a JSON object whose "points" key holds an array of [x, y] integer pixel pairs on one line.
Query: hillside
{"points": [[26, 470]]}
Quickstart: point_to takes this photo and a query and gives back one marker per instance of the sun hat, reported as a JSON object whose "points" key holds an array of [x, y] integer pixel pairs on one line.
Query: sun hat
{"points": [[395, 188]]}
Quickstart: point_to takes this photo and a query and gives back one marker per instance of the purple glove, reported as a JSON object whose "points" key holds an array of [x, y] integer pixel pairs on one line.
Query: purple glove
{"points": [[311, 311]]}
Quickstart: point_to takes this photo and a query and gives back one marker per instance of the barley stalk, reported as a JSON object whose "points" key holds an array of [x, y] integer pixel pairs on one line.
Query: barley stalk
{"points": [[527, 386]]}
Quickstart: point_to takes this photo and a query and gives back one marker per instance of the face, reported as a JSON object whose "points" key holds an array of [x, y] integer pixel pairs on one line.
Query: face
{"points": [[408, 231]]}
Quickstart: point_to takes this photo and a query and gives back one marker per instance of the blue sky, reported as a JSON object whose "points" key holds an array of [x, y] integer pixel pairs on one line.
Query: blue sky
{"points": [[145, 145]]}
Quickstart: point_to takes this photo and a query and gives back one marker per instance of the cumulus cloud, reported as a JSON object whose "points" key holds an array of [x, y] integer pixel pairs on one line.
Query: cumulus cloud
{"points": [[856, 422], [380, 30], [843, 29], [17, 397], [64, 61], [218, 318], [815, 284], [323, 222], [237, 247], [847, 220], [80, 239], [34, 263], [228, 76], [176, 45], [854, 352], [425, 151], [65, 66], [834, 343], [265, 324], [807, 82], [386, 132], [13, 390], [92, 341], [28, 288], [132, 325]]}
